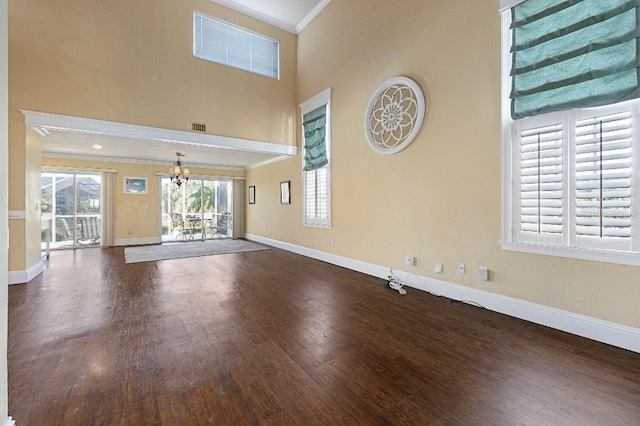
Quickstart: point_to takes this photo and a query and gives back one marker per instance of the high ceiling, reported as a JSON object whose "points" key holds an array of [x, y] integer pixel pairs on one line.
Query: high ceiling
{"points": [[290, 15], [72, 137]]}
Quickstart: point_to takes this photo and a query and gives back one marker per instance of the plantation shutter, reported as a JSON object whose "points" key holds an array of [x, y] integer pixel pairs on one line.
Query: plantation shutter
{"points": [[573, 54], [316, 194], [603, 176], [321, 193], [315, 152], [310, 193], [541, 180]]}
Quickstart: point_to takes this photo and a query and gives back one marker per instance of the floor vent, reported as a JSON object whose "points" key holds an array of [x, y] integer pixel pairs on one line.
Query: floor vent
{"points": [[199, 127]]}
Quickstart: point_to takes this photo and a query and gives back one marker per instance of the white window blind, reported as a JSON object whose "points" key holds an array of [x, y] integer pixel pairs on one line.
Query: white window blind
{"points": [[603, 176], [226, 44], [541, 180]]}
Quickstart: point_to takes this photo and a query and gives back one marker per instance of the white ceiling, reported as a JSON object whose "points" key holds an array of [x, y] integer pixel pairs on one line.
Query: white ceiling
{"points": [[87, 139], [64, 144], [289, 15], [74, 137]]}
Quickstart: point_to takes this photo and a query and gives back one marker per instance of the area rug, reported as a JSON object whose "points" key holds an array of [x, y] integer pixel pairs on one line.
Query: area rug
{"points": [[190, 249]]}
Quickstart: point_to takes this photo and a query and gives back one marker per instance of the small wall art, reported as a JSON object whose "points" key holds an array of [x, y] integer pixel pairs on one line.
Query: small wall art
{"points": [[135, 185], [252, 194]]}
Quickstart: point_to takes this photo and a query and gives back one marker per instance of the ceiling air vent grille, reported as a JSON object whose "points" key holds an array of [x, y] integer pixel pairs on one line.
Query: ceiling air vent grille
{"points": [[199, 127]]}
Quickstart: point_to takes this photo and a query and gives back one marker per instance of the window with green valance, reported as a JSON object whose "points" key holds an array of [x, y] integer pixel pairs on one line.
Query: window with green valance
{"points": [[570, 54]]}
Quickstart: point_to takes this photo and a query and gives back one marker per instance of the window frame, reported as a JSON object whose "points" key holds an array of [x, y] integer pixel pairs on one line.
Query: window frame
{"points": [[203, 16], [568, 247], [321, 99]]}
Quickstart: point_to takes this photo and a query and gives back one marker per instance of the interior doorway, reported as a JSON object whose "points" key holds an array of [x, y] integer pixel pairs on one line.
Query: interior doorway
{"points": [[197, 210]]}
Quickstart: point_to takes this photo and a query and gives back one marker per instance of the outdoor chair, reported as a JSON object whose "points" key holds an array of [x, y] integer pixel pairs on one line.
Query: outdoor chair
{"points": [[221, 228], [90, 228], [184, 228]]}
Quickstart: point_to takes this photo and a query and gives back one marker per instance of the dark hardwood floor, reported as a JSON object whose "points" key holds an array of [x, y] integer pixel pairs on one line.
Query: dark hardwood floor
{"points": [[271, 337]]}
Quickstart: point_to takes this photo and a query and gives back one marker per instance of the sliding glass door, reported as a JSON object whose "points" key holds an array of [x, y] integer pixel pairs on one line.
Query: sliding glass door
{"points": [[70, 206], [197, 210]]}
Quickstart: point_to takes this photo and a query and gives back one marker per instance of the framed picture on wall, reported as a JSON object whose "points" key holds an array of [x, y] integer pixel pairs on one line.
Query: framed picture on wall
{"points": [[252, 195], [135, 185], [285, 192]]}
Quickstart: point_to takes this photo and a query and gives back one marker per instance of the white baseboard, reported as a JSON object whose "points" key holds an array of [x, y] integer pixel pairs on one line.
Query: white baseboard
{"points": [[9, 422], [592, 328], [21, 277], [137, 241]]}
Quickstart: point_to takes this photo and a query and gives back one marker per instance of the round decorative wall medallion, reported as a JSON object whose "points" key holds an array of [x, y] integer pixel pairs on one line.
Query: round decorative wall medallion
{"points": [[394, 115]]}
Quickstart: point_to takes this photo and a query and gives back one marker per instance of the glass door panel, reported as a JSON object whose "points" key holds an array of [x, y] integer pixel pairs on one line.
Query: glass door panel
{"points": [[167, 208], [88, 210], [173, 209], [64, 208], [199, 209], [71, 204], [208, 207], [193, 212], [223, 207]]}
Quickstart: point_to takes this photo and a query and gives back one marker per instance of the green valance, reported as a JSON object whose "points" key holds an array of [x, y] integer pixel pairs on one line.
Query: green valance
{"points": [[314, 124], [573, 54]]}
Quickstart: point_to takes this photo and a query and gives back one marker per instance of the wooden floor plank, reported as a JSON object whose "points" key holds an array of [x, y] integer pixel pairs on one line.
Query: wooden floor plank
{"points": [[270, 337]]}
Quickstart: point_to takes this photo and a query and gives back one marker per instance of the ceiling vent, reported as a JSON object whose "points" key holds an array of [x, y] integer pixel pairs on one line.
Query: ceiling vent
{"points": [[199, 127]]}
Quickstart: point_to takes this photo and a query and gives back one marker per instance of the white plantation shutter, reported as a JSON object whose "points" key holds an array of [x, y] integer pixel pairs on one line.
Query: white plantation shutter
{"points": [[321, 193], [226, 44], [574, 185], [316, 192], [310, 195], [541, 180], [603, 176]]}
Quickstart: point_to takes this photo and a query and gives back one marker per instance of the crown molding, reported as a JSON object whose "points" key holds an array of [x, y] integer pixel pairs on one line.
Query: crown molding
{"points": [[273, 21], [312, 14], [256, 15]]}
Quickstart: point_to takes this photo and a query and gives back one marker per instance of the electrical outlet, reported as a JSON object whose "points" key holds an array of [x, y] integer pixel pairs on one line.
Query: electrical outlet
{"points": [[411, 261], [438, 268], [483, 273], [461, 268]]}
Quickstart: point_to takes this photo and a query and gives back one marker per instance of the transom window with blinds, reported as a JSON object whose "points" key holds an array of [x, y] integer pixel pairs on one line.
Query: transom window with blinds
{"points": [[217, 41], [570, 128], [316, 160]]}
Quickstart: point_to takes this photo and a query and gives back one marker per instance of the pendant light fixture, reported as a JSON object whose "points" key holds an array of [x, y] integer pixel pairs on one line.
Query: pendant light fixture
{"points": [[178, 172]]}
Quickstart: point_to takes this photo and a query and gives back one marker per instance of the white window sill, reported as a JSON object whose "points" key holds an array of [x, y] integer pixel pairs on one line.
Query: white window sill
{"points": [[317, 225], [595, 255]]}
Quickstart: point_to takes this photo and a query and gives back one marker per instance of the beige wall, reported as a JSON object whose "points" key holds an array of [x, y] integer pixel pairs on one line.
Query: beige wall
{"points": [[125, 61], [4, 206], [440, 199], [33, 196], [132, 219]]}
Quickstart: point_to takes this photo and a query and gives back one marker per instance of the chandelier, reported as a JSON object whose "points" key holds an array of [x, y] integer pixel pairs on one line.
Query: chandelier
{"points": [[177, 172]]}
